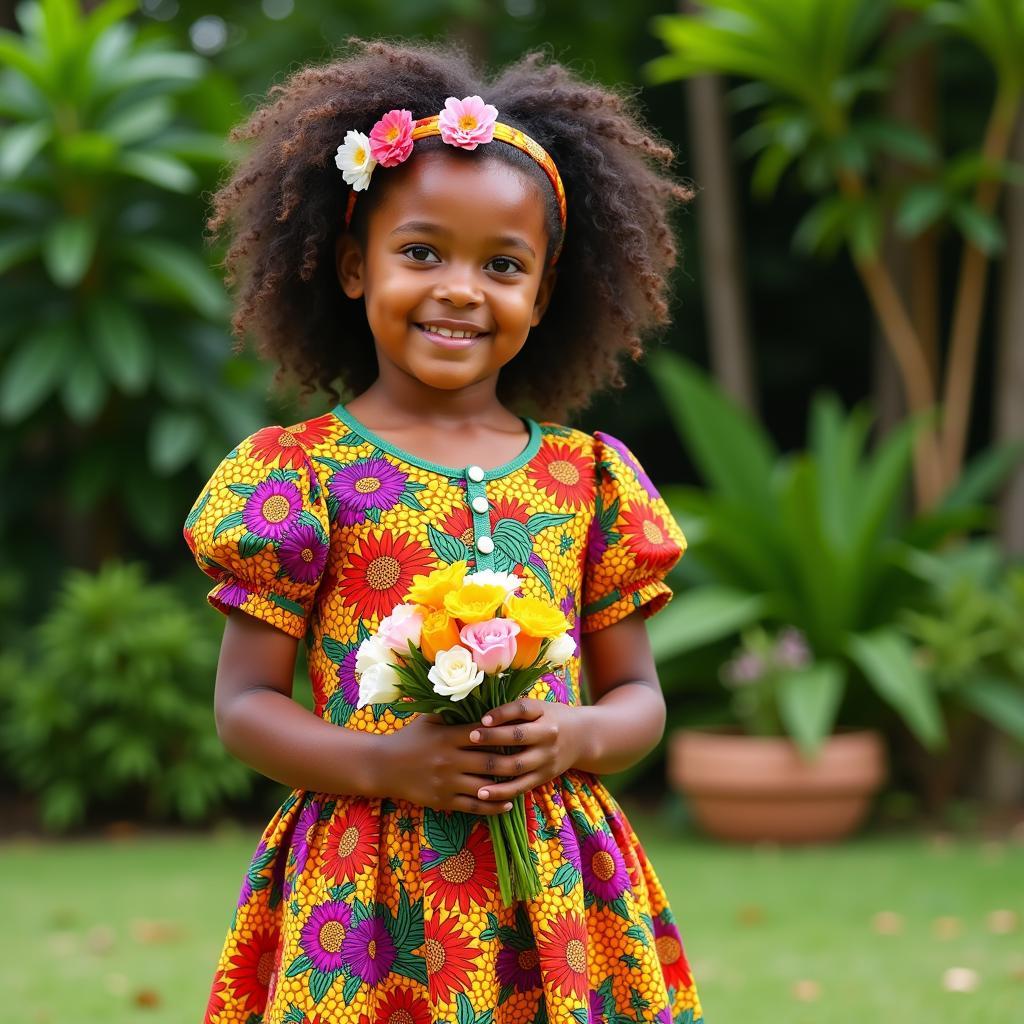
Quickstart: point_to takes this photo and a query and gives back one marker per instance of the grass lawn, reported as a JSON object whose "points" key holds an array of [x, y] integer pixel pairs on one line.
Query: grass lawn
{"points": [[128, 930]]}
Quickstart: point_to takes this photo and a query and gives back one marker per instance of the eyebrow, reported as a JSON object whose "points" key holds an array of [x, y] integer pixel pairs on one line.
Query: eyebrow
{"points": [[428, 227]]}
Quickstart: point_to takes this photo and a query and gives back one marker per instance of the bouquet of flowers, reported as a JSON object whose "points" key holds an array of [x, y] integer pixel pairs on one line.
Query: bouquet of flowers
{"points": [[459, 647]]}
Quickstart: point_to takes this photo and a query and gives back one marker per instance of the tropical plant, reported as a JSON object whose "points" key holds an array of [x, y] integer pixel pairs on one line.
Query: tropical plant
{"points": [[816, 73], [113, 341], [815, 540], [109, 705]]}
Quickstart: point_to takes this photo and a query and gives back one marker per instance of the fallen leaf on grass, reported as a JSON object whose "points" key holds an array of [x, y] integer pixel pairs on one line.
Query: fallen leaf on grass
{"points": [[806, 990], [750, 914], [152, 933], [887, 922], [946, 927], [960, 979], [1002, 922], [147, 997]]}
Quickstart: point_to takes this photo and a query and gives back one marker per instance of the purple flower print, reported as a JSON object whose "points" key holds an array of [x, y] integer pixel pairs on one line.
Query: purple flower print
{"points": [[557, 686], [604, 871], [519, 968], [247, 890], [370, 950], [347, 677], [303, 554], [665, 1016], [375, 483], [233, 594], [597, 541], [308, 819], [272, 509], [615, 444], [596, 1012], [324, 935], [570, 844]]}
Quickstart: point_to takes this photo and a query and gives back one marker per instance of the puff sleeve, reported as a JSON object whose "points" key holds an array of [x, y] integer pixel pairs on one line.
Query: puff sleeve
{"points": [[633, 540], [261, 529]]}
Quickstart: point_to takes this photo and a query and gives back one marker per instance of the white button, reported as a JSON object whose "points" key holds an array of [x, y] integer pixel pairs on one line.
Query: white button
{"points": [[475, 473], [485, 544], [479, 503]]}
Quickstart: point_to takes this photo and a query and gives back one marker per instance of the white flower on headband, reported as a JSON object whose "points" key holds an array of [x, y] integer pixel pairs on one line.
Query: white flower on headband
{"points": [[354, 160]]}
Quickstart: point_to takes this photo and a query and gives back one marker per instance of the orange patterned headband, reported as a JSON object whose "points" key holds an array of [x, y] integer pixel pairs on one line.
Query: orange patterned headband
{"points": [[465, 123]]}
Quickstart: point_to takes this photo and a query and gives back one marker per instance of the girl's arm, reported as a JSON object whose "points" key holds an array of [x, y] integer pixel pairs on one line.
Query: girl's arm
{"points": [[624, 722], [426, 762]]}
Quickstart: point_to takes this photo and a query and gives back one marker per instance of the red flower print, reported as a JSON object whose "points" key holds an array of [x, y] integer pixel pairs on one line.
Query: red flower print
{"points": [[351, 842], [379, 572], [466, 879], [273, 443], [647, 537], [216, 1003], [251, 967], [509, 508], [403, 1006], [671, 954], [449, 955], [563, 954], [459, 524], [564, 474]]}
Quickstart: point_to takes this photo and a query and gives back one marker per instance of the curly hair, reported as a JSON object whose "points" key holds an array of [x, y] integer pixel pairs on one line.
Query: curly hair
{"points": [[283, 207]]}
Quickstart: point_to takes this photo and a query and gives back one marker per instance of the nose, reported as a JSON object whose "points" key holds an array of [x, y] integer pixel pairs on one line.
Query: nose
{"points": [[459, 285]]}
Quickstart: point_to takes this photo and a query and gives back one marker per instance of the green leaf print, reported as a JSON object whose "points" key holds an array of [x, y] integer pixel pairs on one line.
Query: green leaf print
{"points": [[351, 987], [251, 544], [446, 832], [512, 539], [299, 965], [242, 490], [542, 520], [228, 523], [449, 549]]}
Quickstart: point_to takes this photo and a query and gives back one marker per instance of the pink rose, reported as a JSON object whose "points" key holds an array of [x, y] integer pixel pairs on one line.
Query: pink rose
{"points": [[492, 643], [400, 627], [391, 138], [467, 122]]}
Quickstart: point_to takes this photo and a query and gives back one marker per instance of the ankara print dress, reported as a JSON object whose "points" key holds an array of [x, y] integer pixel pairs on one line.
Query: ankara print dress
{"points": [[380, 911]]}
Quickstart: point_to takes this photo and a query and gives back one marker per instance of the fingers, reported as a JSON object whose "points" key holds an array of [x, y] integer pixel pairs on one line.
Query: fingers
{"points": [[489, 762], [503, 792], [462, 802], [526, 707], [520, 734]]}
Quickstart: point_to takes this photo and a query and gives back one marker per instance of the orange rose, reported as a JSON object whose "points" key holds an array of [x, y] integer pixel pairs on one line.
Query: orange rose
{"points": [[440, 632]]}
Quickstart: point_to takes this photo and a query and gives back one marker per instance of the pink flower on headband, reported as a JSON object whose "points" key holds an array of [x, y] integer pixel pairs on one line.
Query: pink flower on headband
{"points": [[391, 138], [467, 122]]}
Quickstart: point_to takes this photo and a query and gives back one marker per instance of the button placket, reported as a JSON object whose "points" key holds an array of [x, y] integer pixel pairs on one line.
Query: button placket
{"points": [[476, 496]]}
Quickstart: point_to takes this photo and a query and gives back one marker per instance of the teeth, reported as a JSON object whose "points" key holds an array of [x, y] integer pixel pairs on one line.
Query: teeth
{"points": [[448, 332]]}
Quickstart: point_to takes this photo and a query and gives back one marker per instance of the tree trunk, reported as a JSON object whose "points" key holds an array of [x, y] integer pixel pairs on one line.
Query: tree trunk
{"points": [[722, 276]]}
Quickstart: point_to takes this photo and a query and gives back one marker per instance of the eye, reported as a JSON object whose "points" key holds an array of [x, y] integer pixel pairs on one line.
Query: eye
{"points": [[411, 251], [509, 263]]}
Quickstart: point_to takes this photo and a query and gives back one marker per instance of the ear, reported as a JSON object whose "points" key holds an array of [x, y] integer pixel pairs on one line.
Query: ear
{"points": [[348, 259], [544, 293]]}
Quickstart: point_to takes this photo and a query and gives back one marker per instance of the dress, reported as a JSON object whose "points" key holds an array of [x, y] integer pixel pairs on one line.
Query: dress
{"points": [[360, 911]]}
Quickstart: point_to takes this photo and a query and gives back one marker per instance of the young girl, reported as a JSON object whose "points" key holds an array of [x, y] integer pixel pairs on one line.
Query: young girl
{"points": [[447, 249]]}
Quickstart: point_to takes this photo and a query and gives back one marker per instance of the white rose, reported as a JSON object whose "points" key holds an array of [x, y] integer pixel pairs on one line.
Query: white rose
{"points": [[379, 684], [560, 650], [454, 673], [373, 651], [489, 578]]}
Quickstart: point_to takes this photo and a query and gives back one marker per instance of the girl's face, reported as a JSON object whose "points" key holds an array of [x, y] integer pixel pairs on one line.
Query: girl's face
{"points": [[454, 243]]}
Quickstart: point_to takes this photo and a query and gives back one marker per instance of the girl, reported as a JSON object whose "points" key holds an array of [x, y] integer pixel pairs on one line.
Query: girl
{"points": [[447, 249]]}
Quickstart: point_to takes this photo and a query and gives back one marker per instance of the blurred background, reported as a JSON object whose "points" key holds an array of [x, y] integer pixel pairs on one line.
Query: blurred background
{"points": [[836, 417]]}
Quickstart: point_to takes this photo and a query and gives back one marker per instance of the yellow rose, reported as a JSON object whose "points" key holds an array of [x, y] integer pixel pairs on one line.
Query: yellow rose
{"points": [[430, 590], [474, 602], [536, 618], [440, 632]]}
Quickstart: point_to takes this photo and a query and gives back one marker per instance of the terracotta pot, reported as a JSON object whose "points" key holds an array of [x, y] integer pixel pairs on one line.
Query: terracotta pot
{"points": [[748, 788]]}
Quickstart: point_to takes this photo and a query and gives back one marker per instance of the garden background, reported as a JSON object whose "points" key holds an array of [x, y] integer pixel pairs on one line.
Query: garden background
{"points": [[853, 261]]}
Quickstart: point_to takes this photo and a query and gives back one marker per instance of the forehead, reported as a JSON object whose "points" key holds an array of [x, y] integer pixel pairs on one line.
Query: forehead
{"points": [[467, 192]]}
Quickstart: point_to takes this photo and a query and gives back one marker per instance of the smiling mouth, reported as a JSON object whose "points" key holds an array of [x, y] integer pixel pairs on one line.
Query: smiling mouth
{"points": [[449, 338]]}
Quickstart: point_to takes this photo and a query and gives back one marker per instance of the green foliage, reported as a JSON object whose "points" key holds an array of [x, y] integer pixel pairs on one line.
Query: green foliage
{"points": [[815, 71], [114, 326], [110, 704], [815, 540]]}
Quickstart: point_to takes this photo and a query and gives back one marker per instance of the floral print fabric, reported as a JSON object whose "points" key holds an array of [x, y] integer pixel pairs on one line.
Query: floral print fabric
{"points": [[367, 911]]}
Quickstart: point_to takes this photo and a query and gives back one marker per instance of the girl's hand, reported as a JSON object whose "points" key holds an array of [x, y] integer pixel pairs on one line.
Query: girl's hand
{"points": [[433, 764], [549, 734]]}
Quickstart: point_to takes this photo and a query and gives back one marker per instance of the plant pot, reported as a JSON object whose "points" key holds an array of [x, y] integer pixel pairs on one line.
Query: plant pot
{"points": [[750, 788]]}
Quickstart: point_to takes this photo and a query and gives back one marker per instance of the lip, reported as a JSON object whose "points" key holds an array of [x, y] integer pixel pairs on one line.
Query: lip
{"points": [[455, 325]]}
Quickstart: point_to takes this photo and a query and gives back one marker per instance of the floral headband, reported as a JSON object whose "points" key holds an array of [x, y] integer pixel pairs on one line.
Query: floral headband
{"points": [[465, 123]]}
